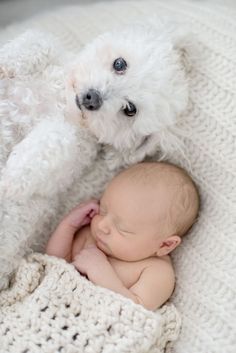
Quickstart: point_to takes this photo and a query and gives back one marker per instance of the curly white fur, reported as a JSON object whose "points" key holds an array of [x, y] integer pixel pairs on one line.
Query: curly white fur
{"points": [[52, 154]]}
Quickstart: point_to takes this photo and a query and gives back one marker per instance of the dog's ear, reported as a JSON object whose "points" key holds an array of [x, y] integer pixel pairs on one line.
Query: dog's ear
{"points": [[179, 34], [184, 44]]}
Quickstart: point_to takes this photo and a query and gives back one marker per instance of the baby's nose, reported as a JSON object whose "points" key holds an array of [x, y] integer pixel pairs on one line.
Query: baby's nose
{"points": [[92, 100]]}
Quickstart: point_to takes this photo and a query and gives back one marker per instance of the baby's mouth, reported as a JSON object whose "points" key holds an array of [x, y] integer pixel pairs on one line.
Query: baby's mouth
{"points": [[98, 241]]}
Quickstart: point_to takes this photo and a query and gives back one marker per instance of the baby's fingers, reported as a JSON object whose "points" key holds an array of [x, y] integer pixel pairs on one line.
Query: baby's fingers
{"points": [[83, 213]]}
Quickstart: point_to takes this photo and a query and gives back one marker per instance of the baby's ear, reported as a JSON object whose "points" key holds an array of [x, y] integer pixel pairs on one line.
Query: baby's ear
{"points": [[168, 245]]}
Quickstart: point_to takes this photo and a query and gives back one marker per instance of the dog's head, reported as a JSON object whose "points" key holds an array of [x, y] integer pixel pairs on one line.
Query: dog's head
{"points": [[129, 85]]}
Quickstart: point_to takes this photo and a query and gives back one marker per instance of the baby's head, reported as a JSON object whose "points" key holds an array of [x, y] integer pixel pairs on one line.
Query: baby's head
{"points": [[144, 211]]}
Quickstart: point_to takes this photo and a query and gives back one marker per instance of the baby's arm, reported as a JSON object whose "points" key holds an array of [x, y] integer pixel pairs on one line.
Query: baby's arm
{"points": [[93, 263], [60, 243], [154, 286]]}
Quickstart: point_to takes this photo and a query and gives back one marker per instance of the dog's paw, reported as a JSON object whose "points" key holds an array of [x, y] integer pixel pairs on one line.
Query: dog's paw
{"points": [[27, 54]]}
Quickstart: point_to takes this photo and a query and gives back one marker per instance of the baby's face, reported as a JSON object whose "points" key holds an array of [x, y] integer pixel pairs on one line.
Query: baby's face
{"points": [[129, 225]]}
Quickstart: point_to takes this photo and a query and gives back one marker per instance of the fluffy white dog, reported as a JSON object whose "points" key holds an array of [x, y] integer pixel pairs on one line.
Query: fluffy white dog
{"points": [[69, 122]]}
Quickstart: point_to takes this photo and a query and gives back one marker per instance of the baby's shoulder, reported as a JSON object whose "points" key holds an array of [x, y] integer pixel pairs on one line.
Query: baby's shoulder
{"points": [[156, 282], [161, 266]]}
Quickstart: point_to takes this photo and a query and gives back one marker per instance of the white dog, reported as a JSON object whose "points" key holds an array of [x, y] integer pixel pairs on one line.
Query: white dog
{"points": [[69, 122]]}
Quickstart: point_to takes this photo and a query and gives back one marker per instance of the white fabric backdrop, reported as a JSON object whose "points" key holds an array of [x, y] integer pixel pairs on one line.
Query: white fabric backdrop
{"points": [[205, 263]]}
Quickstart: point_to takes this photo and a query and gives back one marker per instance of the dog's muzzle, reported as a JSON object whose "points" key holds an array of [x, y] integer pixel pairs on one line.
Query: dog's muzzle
{"points": [[92, 100]]}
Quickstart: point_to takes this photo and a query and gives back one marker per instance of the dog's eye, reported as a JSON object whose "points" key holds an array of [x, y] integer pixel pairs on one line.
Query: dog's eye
{"points": [[130, 109], [120, 65]]}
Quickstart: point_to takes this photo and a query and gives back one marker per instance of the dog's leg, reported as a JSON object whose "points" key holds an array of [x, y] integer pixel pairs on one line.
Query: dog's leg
{"points": [[40, 168], [27, 54], [47, 160]]}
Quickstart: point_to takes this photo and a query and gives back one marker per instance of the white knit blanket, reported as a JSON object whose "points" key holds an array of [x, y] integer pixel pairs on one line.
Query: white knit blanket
{"points": [[206, 261], [51, 308]]}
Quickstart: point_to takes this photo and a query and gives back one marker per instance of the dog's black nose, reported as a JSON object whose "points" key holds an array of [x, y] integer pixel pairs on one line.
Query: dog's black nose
{"points": [[92, 100]]}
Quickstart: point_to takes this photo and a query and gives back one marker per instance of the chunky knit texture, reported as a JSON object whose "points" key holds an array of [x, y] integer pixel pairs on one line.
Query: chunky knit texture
{"points": [[205, 263], [51, 308]]}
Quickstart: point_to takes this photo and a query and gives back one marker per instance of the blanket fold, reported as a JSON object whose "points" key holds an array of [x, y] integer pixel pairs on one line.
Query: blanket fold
{"points": [[50, 307]]}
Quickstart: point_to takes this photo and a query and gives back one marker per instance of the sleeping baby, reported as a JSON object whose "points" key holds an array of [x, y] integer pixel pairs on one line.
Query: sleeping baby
{"points": [[123, 243]]}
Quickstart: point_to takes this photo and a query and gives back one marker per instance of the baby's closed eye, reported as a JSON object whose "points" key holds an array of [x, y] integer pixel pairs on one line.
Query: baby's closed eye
{"points": [[123, 230]]}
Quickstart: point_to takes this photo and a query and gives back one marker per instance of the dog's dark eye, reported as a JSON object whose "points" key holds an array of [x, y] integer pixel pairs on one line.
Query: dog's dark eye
{"points": [[120, 65], [130, 109]]}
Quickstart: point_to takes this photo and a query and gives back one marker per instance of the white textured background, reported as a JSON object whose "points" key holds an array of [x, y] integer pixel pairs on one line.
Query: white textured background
{"points": [[17, 10]]}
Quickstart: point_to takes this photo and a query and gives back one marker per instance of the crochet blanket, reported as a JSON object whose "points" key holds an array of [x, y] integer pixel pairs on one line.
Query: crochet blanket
{"points": [[205, 263], [51, 308]]}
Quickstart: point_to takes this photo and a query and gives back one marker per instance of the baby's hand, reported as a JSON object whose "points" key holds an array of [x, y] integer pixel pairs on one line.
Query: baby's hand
{"points": [[82, 214], [90, 261]]}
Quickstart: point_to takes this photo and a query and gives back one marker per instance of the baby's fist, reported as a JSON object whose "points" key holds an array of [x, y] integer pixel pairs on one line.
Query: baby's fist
{"points": [[89, 261], [82, 214]]}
